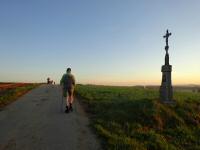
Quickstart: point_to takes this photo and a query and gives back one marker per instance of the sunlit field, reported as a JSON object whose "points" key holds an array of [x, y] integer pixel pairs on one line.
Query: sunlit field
{"points": [[133, 118], [9, 92]]}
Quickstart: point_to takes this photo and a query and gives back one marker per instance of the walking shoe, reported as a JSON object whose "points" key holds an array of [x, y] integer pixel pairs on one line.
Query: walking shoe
{"points": [[67, 109], [70, 107]]}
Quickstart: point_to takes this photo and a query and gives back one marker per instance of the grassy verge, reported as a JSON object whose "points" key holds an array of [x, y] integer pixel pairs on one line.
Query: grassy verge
{"points": [[133, 118], [10, 95]]}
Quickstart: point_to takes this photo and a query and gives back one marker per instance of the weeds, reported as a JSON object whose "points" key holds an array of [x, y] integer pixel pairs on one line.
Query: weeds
{"points": [[133, 118]]}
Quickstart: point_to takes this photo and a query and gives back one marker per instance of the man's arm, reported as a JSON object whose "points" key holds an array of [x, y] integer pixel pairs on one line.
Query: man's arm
{"points": [[73, 80], [62, 80]]}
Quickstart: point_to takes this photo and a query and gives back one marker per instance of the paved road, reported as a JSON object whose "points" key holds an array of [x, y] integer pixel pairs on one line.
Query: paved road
{"points": [[35, 122]]}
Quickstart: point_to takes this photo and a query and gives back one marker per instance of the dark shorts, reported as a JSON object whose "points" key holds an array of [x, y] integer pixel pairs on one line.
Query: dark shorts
{"points": [[68, 91]]}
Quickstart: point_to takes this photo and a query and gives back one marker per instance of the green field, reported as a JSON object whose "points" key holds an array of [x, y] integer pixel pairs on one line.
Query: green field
{"points": [[10, 94], [133, 118]]}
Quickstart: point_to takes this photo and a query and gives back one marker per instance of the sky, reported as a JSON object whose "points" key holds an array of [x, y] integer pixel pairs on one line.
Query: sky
{"points": [[111, 42]]}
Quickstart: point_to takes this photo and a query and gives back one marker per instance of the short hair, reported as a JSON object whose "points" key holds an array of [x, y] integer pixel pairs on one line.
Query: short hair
{"points": [[68, 69]]}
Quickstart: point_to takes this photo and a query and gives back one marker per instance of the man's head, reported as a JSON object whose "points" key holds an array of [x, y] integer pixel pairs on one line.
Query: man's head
{"points": [[68, 70]]}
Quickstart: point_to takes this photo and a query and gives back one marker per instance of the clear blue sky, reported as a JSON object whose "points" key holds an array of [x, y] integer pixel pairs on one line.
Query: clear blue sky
{"points": [[104, 41]]}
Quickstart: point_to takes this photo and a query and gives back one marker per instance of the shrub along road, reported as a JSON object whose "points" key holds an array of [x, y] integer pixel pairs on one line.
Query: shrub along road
{"points": [[36, 122]]}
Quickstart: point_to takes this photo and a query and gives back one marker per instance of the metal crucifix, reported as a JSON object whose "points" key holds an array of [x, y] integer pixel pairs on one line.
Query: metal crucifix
{"points": [[166, 36]]}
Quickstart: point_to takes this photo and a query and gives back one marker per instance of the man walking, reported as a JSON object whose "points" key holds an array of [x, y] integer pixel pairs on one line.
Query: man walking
{"points": [[68, 85]]}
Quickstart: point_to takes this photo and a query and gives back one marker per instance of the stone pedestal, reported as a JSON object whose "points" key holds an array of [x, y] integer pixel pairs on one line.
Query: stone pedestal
{"points": [[166, 90]]}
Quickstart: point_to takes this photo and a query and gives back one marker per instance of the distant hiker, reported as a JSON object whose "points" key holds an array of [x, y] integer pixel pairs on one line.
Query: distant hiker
{"points": [[68, 85], [48, 80]]}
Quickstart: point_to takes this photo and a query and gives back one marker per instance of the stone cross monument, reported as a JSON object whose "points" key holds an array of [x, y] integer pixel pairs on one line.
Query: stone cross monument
{"points": [[166, 91]]}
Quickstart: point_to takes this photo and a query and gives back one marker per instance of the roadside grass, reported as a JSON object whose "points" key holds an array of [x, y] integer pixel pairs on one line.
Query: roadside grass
{"points": [[9, 95], [133, 118]]}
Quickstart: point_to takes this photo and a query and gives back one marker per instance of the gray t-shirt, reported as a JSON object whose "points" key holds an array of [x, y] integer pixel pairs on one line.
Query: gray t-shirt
{"points": [[68, 81]]}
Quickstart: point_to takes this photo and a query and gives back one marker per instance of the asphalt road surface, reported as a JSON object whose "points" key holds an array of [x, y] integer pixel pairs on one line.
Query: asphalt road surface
{"points": [[35, 122]]}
